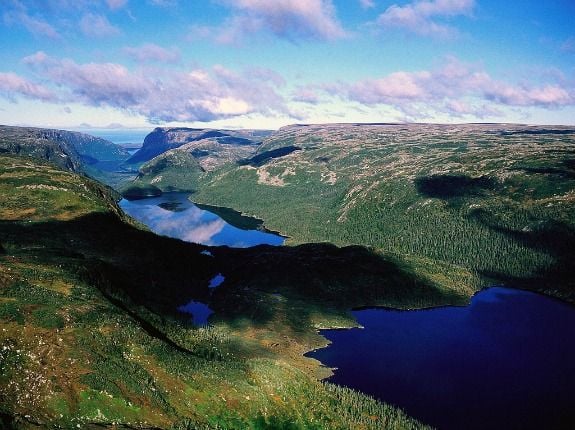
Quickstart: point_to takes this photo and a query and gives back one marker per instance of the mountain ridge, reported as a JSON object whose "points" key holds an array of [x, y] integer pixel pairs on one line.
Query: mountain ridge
{"points": [[71, 150], [163, 139]]}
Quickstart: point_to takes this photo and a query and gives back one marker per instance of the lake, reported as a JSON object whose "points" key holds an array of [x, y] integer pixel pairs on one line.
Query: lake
{"points": [[174, 215], [506, 361]]}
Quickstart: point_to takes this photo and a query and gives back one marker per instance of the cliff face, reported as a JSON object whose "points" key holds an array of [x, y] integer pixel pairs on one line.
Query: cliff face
{"points": [[44, 144], [94, 147], [185, 155], [164, 139], [66, 149]]}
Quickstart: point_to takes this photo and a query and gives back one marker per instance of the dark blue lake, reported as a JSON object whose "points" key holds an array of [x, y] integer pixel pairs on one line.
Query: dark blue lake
{"points": [[173, 215], [506, 361]]}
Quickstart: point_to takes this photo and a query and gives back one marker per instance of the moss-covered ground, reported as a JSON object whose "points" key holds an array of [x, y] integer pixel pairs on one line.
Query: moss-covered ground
{"points": [[491, 203], [90, 335]]}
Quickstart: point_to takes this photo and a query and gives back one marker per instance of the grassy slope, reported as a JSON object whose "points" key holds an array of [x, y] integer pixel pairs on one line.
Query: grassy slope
{"points": [[90, 334], [494, 201]]}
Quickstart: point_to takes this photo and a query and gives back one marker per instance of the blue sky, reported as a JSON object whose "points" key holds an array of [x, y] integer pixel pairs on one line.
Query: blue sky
{"points": [[268, 63]]}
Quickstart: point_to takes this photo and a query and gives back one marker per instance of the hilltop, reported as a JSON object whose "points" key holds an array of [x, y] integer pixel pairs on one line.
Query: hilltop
{"points": [[203, 142]]}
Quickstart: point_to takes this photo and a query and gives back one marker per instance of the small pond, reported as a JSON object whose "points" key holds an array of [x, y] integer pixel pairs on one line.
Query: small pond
{"points": [[173, 215], [506, 361], [199, 311]]}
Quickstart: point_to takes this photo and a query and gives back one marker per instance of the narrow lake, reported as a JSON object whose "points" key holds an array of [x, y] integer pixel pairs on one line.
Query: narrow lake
{"points": [[506, 361], [173, 215]]}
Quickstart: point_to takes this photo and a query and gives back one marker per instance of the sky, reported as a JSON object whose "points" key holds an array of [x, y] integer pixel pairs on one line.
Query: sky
{"points": [[269, 63]]}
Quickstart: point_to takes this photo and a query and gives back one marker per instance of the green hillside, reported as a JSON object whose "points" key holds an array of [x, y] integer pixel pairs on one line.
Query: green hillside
{"points": [[91, 336], [493, 200]]}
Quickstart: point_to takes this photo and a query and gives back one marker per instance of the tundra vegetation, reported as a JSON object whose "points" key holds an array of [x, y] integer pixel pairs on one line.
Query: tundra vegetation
{"points": [[480, 203], [90, 334], [405, 216]]}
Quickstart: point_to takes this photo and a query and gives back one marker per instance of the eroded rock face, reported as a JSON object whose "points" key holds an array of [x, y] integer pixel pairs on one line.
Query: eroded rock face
{"points": [[164, 139], [65, 149]]}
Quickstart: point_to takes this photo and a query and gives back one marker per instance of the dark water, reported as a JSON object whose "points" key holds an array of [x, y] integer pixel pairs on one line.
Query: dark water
{"points": [[200, 312], [506, 361], [216, 281], [173, 215]]}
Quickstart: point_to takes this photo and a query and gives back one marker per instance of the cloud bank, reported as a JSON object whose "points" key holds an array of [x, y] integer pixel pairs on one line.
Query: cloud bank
{"points": [[151, 52], [292, 19], [454, 88], [161, 95], [423, 17]]}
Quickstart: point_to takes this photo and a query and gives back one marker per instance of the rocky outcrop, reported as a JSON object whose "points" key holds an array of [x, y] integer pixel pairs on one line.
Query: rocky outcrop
{"points": [[164, 139], [66, 149]]}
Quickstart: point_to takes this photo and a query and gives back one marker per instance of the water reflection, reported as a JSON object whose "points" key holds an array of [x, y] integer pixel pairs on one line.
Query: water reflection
{"points": [[216, 281], [175, 216], [200, 312]]}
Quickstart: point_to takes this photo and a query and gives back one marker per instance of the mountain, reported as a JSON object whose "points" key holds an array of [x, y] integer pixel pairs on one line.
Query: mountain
{"points": [[488, 202], [164, 139], [92, 336], [68, 149], [194, 153], [40, 143]]}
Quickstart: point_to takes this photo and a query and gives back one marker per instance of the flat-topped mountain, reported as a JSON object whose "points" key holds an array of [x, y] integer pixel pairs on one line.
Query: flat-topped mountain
{"points": [[164, 139], [67, 149]]}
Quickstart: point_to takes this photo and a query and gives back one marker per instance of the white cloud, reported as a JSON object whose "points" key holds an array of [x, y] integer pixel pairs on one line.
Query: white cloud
{"points": [[292, 19], [421, 16], [164, 3], [19, 15], [150, 52], [455, 88], [568, 45], [12, 85], [163, 95], [95, 25], [116, 4], [367, 4]]}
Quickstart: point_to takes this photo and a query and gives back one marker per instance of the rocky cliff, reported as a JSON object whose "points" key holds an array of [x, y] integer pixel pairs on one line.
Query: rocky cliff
{"points": [[164, 139], [66, 149]]}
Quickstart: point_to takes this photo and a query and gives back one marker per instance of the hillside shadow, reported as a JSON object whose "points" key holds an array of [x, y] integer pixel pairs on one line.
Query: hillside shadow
{"points": [[452, 186], [134, 268], [562, 169], [538, 132], [322, 275], [262, 158], [554, 238]]}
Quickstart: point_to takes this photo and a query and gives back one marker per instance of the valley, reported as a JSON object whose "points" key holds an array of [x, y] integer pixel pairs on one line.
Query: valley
{"points": [[478, 203], [402, 216], [91, 332]]}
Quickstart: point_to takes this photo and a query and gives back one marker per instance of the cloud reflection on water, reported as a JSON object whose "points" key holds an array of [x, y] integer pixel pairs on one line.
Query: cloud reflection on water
{"points": [[192, 224]]}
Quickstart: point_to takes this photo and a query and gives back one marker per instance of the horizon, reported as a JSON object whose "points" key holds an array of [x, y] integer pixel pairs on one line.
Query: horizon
{"points": [[259, 65], [100, 131]]}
